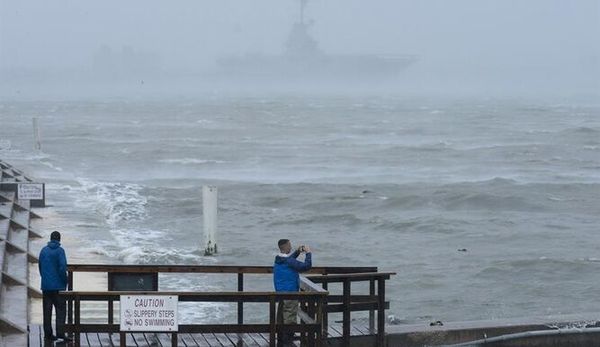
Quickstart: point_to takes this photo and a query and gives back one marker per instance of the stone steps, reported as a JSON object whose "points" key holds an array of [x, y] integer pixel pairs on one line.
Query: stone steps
{"points": [[15, 259]]}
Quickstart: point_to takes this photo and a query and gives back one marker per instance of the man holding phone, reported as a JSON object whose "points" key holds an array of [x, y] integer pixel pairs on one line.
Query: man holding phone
{"points": [[286, 278]]}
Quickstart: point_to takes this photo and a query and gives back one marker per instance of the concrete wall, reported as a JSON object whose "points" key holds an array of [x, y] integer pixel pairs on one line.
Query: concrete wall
{"points": [[459, 332]]}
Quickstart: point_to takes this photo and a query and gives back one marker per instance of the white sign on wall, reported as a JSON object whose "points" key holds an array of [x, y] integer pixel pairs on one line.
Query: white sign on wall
{"points": [[30, 191], [155, 313]]}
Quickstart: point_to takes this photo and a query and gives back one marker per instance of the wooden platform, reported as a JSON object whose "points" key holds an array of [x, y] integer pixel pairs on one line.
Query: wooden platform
{"points": [[36, 339]]}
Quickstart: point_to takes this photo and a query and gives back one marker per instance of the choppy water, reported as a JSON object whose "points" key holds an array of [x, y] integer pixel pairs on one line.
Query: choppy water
{"points": [[400, 184]]}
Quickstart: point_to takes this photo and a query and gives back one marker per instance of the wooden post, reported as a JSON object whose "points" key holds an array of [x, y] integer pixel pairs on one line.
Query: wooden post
{"points": [[70, 300], [319, 319], [311, 313], [272, 322], [304, 335], [346, 313], [209, 210], [111, 311], [37, 143], [325, 314], [174, 340], [240, 304], [122, 339], [372, 312], [77, 338], [381, 312]]}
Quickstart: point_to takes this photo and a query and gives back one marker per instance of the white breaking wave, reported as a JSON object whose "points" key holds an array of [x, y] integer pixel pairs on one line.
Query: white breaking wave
{"points": [[116, 201]]}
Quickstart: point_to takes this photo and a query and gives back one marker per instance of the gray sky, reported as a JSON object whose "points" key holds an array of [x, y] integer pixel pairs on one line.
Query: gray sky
{"points": [[470, 38]]}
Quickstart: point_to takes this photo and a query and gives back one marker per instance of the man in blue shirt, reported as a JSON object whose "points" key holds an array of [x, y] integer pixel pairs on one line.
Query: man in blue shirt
{"points": [[53, 270], [286, 278]]}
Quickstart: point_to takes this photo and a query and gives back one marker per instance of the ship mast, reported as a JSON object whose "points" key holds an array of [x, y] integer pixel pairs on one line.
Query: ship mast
{"points": [[302, 7]]}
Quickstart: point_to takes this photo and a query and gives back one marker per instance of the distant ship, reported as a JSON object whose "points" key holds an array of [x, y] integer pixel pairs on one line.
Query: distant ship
{"points": [[304, 62]]}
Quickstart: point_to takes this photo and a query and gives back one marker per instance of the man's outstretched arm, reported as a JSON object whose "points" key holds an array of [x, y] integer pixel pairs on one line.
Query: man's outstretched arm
{"points": [[300, 266]]}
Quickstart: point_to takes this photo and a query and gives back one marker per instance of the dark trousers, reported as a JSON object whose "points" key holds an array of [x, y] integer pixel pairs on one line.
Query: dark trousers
{"points": [[51, 298]]}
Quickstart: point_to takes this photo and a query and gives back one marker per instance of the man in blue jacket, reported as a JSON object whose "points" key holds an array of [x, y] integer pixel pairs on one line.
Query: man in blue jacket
{"points": [[53, 270], [287, 279]]}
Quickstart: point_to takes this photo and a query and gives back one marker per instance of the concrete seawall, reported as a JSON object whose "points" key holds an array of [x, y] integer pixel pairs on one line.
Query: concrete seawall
{"points": [[571, 326]]}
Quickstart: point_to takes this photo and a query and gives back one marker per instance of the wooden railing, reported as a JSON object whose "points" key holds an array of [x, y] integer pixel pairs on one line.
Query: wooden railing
{"points": [[347, 303], [316, 303], [226, 269], [311, 328]]}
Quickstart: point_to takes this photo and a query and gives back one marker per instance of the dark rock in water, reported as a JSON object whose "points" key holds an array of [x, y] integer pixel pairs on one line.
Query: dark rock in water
{"points": [[595, 324], [436, 324], [462, 250], [366, 192], [391, 319]]}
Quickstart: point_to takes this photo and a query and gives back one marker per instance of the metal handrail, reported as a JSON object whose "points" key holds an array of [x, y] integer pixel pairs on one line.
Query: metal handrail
{"points": [[525, 334]]}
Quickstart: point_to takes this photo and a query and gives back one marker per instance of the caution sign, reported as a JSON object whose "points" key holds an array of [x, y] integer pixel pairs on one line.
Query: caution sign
{"points": [[156, 313], [30, 191]]}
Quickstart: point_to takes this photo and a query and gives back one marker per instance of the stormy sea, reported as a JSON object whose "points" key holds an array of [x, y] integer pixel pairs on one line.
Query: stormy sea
{"points": [[485, 208]]}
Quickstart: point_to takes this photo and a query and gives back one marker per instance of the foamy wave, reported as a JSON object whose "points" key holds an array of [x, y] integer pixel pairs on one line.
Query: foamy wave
{"points": [[186, 161], [5, 145], [156, 254], [139, 237], [117, 201], [12, 153], [50, 165]]}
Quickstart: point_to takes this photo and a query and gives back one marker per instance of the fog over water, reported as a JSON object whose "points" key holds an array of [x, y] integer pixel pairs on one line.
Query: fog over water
{"points": [[382, 133], [69, 49]]}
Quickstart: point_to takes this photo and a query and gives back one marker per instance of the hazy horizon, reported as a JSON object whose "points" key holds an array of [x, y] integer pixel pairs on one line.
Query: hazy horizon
{"points": [[511, 47]]}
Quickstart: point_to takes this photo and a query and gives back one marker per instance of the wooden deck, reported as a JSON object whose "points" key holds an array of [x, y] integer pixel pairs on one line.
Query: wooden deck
{"points": [[186, 340]]}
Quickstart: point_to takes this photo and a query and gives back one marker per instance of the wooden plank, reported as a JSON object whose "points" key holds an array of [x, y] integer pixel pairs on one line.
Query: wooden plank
{"points": [[354, 307], [223, 340], [146, 341], [266, 336], [354, 277], [355, 331], [114, 339], [197, 296], [201, 340], [248, 341], [259, 339], [224, 269], [138, 339], [212, 340], [309, 286], [105, 340], [164, 339], [187, 340], [335, 330], [235, 340], [89, 339], [153, 340]]}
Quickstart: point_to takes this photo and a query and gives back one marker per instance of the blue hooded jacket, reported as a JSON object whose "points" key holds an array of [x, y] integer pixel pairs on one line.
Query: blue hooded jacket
{"points": [[286, 271], [53, 267]]}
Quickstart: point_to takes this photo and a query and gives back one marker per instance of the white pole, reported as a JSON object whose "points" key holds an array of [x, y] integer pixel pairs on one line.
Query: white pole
{"points": [[209, 209], [37, 143]]}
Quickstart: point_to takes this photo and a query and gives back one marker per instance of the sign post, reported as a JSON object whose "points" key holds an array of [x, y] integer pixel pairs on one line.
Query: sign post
{"points": [[154, 313], [209, 211]]}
